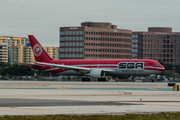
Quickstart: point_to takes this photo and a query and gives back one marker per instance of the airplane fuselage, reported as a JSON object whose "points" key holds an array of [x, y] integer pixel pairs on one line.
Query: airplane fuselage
{"points": [[116, 67]]}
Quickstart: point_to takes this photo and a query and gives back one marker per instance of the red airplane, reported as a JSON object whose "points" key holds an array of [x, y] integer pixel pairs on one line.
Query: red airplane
{"points": [[95, 68]]}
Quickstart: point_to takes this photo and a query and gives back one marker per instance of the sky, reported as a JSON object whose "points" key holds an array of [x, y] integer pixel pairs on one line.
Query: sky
{"points": [[42, 18]]}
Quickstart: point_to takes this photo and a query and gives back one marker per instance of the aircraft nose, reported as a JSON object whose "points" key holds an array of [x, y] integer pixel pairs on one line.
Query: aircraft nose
{"points": [[163, 67]]}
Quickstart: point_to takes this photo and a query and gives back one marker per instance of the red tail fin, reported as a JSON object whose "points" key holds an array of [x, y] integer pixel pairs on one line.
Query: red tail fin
{"points": [[40, 54]]}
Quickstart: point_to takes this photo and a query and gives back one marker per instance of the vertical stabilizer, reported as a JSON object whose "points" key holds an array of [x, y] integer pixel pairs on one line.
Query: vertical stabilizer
{"points": [[40, 54]]}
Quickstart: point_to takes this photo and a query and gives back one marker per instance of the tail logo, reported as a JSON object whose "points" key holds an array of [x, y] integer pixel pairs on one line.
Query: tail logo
{"points": [[37, 50]]}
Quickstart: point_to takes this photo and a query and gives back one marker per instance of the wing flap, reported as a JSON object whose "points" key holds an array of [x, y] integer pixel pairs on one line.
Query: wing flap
{"points": [[67, 67], [70, 67]]}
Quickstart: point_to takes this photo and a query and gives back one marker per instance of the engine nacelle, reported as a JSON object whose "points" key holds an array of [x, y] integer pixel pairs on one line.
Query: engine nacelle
{"points": [[97, 73]]}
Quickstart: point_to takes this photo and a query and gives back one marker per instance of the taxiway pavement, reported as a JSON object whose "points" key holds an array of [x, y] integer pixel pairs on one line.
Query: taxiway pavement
{"points": [[42, 97]]}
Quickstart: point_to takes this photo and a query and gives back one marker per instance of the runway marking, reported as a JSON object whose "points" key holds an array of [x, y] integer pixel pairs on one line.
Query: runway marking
{"points": [[26, 108], [153, 88], [160, 85], [64, 88], [162, 105], [127, 93], [40, 84]]}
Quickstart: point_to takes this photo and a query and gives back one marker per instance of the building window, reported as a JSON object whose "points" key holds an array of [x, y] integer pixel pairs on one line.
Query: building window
{"points": [[77, 49], [81, 32], [81, 44], [140, 36], [61, 32], [81, 38], [61, 44], [61, 38], [132, 40], [77, 38], [66, 32], [77, 43], [66, 38], [61, 49]]}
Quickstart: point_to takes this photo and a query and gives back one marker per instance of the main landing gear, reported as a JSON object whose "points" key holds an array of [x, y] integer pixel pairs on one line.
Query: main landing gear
{"points": [[101, 79]]}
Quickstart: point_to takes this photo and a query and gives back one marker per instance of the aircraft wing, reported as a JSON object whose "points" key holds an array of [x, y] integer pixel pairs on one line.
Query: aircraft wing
{"points": [[69, 67], [37, 65]]}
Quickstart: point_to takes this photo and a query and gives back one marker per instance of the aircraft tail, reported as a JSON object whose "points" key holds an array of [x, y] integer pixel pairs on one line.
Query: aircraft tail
{"points": [[40, 54]]}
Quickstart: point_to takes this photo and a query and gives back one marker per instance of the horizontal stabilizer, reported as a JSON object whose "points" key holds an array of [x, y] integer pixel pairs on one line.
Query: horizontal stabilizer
{"points": [[36, 65]]}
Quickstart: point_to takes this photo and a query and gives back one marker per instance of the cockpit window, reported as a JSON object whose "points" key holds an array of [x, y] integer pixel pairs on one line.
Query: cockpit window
{"points": [[155, 64]]}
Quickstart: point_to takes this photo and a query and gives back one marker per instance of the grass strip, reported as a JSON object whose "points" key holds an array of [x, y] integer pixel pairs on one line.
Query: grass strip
{"points": [[158, 116]]}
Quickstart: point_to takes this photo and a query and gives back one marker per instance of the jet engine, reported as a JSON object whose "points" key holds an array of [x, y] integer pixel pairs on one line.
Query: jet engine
{"points": [[97, 73]]}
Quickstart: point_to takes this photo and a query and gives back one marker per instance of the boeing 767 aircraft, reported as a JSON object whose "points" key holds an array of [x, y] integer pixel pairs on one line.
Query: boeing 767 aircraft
{"points": [[95, 68]]}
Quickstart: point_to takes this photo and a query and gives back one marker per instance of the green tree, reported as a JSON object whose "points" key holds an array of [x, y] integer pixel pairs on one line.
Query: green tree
{"points": [[16, 69], [177, 69], [169, 66], [63, 78], [69, 78], [1, 71], [175, 75], [166, 73]]}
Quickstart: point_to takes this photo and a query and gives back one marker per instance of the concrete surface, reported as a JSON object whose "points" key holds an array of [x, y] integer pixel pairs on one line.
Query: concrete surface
{"points": [[40, 97]]}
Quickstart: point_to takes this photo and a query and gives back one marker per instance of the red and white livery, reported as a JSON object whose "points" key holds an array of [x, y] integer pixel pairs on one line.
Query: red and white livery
{"points": [[96, 68]]}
